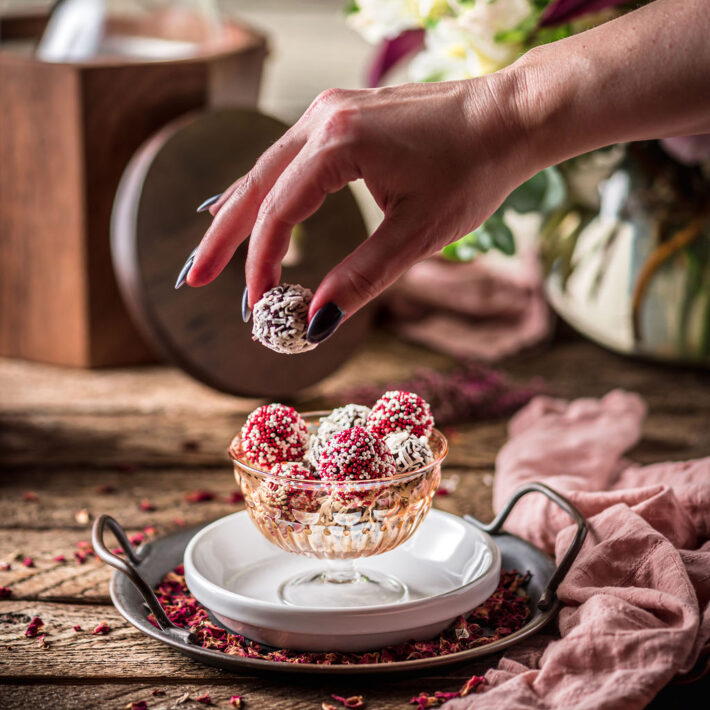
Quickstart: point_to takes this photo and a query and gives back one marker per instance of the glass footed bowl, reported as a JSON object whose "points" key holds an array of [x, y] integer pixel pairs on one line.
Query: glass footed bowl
{"points": [[339, 522]]}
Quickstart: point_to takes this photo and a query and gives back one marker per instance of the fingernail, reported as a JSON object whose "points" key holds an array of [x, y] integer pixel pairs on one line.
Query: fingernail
{"points": [[185, 269], [324, 323], [208, 203], [246, 311]]}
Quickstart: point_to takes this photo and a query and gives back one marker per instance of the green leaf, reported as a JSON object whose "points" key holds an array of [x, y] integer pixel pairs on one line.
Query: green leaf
{"points": [[529, 195], [543, 192], [351, 8], [503, 239]]}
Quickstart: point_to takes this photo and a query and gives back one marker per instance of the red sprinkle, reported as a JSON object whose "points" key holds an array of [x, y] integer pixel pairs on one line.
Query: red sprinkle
{"points": [[199, 496], [30, 496], [102, 629], [28, 562], [236, 701], [204, 699], [146, 506], [354, 701], [34, 626], [5, 592]]}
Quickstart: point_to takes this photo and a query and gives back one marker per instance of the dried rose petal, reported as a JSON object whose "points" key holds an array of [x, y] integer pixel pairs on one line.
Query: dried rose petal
{"points": [[34, 626], [354, 701], [199, 496], [235, 497], [118, 551], [146, 506], [204, 699], [328, 706], [80, 557], [137, 705], [30, 496], [105, 489], [4, 567], [178, 521], [5, 592], [157, 691], [137, 539], [102, 629], [77, 628], [236, 701], [149, 530], [424, 701], [59, 558], [28, 562], [83, 517], [471, 685]]}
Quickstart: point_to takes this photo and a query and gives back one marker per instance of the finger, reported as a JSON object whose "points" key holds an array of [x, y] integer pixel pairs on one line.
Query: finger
{"points": [[237, 209], [310, 117], [319, 169], [403, 238]]}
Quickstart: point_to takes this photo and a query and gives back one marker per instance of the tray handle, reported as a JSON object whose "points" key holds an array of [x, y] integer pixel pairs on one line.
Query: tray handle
{"points": [[548, 596], [128, 567]]}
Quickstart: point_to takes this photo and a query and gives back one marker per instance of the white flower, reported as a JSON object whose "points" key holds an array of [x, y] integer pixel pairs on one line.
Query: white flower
{"points": [[377, 20], [465, 46]]}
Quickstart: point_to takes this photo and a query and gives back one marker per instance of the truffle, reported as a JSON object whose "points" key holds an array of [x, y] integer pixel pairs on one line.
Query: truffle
{"points": [[281, 319], [400, 411], [409, 452], [274, 434], [355, 455], [342, 418]]}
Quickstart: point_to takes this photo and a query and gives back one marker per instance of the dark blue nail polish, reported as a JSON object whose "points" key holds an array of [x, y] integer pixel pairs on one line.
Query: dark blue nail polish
{"points": [[324, 323], [208, 203], [185, 269], [246, 311]]}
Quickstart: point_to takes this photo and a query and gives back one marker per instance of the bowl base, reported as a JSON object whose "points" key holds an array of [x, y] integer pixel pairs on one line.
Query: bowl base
{"points": [[328, 589]]}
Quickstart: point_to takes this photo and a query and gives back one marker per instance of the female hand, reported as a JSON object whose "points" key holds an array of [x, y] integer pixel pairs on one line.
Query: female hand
{"points": [[438, 159]]}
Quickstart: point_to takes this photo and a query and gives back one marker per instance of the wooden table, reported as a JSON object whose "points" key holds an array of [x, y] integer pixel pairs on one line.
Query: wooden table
{"points": [[152, 434]]}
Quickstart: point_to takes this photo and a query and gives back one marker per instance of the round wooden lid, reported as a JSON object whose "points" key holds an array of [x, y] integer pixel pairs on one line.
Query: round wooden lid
{"points": [[154, 228]]}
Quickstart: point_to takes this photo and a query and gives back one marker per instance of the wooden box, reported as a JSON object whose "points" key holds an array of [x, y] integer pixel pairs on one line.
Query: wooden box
{"points": [[67, 131]]}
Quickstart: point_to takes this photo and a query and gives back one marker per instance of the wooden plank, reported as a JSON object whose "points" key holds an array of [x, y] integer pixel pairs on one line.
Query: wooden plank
{"points": [[125, 653], [257, 693]]}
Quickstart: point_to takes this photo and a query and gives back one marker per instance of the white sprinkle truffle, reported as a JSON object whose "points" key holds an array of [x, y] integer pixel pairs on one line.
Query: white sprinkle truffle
{"points": [[409, 452], [281, 319], [342, 418]]}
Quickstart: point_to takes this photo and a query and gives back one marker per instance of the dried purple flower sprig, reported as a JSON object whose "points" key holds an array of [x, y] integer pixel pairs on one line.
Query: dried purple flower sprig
{"points": [[467, 392], [504, 612]]}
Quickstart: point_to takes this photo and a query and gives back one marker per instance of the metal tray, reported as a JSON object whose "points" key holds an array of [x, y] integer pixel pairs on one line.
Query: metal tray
{"points": [[136, 576]]}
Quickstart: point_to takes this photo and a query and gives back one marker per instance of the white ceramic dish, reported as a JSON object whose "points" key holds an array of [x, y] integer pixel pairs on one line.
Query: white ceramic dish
{"points": [[448, 565]]}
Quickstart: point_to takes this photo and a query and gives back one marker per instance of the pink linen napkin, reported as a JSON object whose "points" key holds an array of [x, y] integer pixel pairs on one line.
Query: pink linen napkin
{"points": [[637, 600], [474, 310]]}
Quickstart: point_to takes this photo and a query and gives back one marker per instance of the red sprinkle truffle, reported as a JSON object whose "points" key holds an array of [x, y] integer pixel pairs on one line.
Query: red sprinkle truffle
{"points": [[274, 434], [356, 455], [400, 411]]}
